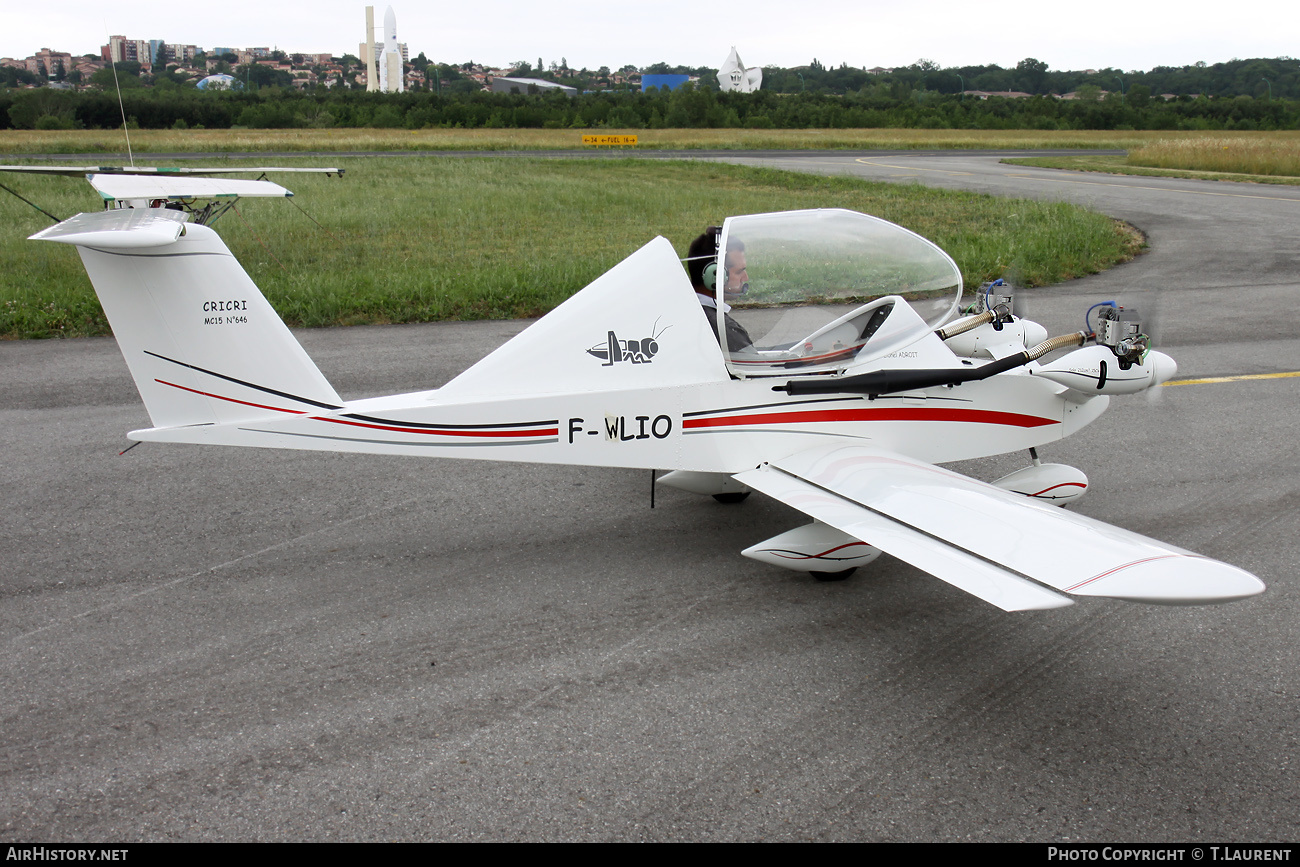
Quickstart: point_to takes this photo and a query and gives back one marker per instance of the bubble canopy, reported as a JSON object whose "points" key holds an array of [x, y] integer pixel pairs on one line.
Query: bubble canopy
{"points": [[824, 290]]}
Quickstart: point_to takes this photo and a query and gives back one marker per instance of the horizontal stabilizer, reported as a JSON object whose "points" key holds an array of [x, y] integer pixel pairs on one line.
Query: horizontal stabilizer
{"points": [[118, 230], [955, 527], [116, 187], [164, 171]]}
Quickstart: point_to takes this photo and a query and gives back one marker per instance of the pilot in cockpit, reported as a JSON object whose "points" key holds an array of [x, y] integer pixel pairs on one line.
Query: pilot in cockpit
{"points": [[701, 265]]}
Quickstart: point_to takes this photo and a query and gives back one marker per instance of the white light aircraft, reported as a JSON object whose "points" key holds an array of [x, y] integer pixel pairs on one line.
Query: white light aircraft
{"points": [[841, 372]]}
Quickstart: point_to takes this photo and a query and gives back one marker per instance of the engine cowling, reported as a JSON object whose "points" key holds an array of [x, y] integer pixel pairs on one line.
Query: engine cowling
{"points": [[1096, 370], [975, 343]]}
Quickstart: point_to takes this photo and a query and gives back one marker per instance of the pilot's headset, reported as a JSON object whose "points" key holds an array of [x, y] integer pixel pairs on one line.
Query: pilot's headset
{"points": [[710, 275]]}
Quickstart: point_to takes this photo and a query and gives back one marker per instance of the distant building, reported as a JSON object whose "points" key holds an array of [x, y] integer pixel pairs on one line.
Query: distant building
{"points": [[1005, 94], [663, 82], [504, 84], [181, 54], [120, 49], [217, 82], [162, 52], [86, 67], [48, 61], [734, 76]]}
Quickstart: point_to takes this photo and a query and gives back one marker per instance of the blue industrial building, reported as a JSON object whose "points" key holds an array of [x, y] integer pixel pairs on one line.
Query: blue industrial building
{"points": [[669, 82]]}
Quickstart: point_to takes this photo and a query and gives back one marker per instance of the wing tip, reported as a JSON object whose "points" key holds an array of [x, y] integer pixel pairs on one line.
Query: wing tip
{"points": [[1180, 579]]}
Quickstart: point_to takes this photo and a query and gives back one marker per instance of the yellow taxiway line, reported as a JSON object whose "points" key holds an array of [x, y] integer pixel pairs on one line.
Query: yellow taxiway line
{"points": [[867, 162], [1232, 378]]}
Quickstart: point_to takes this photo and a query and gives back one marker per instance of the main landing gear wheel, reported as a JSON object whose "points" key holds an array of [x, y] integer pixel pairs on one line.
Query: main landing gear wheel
{"points": [[731, 497], [833, 576]]}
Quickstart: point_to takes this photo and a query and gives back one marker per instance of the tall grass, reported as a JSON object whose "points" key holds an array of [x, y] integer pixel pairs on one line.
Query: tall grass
{"points": [[1278, 154], [418, 239], [234, 141]]}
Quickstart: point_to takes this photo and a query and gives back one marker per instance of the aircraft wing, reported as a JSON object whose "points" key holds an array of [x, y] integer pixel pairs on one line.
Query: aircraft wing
{"points": [[1007, 549]]}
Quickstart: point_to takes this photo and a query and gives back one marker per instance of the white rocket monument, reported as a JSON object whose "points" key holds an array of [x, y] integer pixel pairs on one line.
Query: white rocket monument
{"points": [[390, 69], [383, 59]]}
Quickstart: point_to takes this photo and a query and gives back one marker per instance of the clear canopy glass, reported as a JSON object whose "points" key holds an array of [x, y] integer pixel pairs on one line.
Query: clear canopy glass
{"points": [[818, 291]]}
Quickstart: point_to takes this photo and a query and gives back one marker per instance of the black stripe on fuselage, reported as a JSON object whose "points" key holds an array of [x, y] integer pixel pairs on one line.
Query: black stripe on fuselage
{"points": [[261, 388], [372, 418]]}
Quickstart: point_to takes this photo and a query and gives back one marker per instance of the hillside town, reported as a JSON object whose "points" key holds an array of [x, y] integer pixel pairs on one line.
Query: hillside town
{"points": [[151, 61], [182, 63]]}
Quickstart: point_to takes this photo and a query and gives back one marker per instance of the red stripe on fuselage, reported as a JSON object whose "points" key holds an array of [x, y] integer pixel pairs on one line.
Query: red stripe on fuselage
{"points": [[231, 399], [434, 431]]}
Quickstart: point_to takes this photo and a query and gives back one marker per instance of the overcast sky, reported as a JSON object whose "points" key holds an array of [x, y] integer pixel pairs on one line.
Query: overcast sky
{"points": [[862, 33]]}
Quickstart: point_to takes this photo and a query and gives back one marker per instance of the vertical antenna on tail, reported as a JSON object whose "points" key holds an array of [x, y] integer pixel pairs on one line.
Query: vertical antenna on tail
{"points": [[121, 108]]}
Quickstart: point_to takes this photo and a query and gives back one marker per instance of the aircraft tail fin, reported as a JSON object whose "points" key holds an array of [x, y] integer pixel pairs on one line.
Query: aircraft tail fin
{"points": [[202, 343]]}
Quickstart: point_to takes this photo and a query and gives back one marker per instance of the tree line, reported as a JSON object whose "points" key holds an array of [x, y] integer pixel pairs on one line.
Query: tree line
{"points": [[687, 107], [1259, 77]]}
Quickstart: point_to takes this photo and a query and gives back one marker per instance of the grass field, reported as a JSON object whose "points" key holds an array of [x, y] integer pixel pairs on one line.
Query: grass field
{"points": [[288, 140], [420, 239], [1270, 158], [1273, 156]]}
